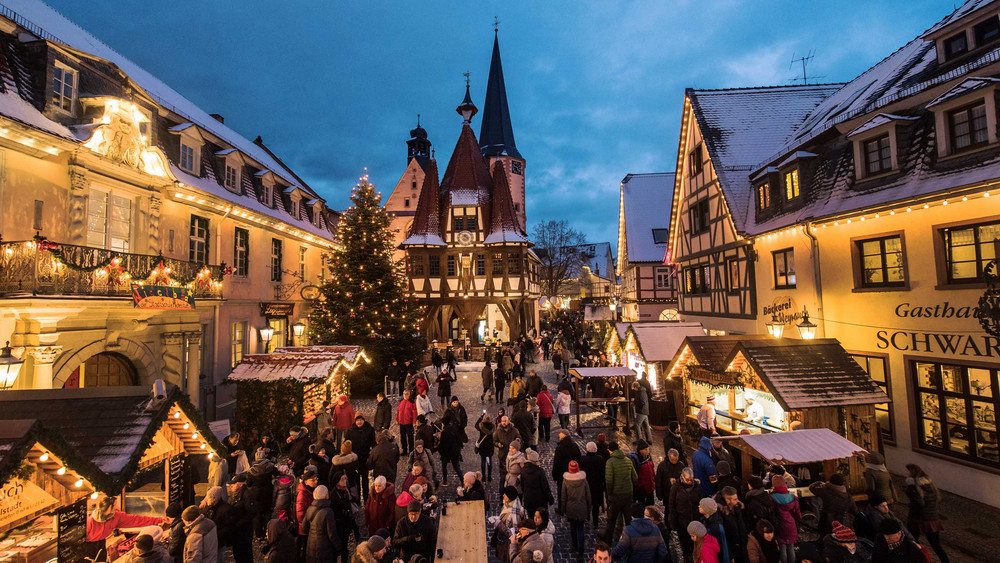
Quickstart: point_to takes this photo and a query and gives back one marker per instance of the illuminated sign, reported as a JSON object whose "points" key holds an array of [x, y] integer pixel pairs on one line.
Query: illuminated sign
{"points": [[20, 501], [162, 297]]}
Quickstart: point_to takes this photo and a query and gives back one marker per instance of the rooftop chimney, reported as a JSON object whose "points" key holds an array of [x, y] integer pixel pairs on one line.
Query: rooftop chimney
{"points": [[218, 117]]}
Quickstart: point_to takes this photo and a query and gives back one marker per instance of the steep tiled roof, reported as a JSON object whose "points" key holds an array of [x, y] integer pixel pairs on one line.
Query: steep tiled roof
{"points": [[504, 226], [808, 373], [496, 135], [646, 199], [964, 87], [742, 126], [467, 170], [426, 229]]}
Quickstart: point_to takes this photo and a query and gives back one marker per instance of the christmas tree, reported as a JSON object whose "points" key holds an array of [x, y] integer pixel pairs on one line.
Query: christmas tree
{"points": [[364, 298]]}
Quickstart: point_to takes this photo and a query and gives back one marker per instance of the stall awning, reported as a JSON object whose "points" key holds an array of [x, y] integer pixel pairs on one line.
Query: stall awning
{"points": [[659, 341], [581, 373], [800, 446], [312, 364]]}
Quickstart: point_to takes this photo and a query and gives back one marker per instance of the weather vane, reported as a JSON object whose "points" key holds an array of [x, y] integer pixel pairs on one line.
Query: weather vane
{"points": [[496, 23], [466, 75]]}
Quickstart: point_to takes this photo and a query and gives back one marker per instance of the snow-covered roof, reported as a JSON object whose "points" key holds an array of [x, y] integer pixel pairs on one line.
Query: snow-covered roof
{"points": [[425, 239], [659, 341], [304, 364], [580, 373], [647, 199], [16, 108], [878, 121], [967, 86], [464, 197], [504, 235], [810, 445], [742, 126], [797, 155], [59, 28]]}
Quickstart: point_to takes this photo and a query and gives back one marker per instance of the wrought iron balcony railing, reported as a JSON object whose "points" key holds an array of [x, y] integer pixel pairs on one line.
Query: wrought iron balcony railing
{"points": [[42, 267]]}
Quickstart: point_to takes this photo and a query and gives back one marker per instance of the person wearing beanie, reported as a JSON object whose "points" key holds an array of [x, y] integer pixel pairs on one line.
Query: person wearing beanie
{"points": [[535, 489], [602, 446], [592, 464], [472, 489], [842, 546], [461, 417], [320, 529], [279, 545], [175, 545], [303, 500], [566, 451], [361, 435], [515, 465], [147, 550], [667, 473], [642, 461], [298, 449], [759, 505], [892, 545], [201, 543], [837, 503], [450, 445], [485, 445], [511, 515], [672, 440], [786, 517], [640, 407], [575, 503], [705, 546], [706, 417], [346, 462], [416, 534], [533, 537], [620, 479], [425, 431]]}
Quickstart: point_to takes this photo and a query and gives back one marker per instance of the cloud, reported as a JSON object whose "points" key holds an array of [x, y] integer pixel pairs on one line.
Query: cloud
{"points": [[767, 65]]}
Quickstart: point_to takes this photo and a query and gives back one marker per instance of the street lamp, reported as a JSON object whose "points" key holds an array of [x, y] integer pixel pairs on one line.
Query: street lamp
{"points": [[298, 329], [266, 334], [807, 330], [775, 327], [10, 367]]}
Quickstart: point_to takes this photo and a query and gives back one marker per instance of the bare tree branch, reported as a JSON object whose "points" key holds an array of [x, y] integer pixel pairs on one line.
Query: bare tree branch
{"points": [[556, 245]]}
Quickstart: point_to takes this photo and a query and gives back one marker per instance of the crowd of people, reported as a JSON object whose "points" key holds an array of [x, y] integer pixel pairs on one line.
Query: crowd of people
{"points": [[330, 493]]}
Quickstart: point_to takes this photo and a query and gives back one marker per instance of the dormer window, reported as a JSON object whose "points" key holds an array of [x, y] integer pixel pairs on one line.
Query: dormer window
{"points": [[956, 45], [792, 184], [293, 208], [187, 157], [878, 155], [232, 178], [659, 237], [268, 195], [986, 31], [763, 196], [64, 84], [967, 127]]}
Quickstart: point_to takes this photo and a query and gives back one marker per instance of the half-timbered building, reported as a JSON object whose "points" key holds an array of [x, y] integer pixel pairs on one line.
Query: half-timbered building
{"points": [[401, 205], [648, 286]]}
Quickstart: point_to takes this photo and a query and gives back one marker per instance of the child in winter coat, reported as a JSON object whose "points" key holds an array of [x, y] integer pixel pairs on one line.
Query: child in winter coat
{"points": [[283, 496], [706, 547], [786, 518]]}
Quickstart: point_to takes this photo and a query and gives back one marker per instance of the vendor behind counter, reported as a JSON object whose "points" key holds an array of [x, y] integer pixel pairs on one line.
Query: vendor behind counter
{"points": [[104, 519]]}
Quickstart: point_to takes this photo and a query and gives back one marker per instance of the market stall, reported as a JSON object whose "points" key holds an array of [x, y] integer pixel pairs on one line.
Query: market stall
{"points": [[616, 339], [763, 385], [585, 378], [289, 385], [649, 346]]}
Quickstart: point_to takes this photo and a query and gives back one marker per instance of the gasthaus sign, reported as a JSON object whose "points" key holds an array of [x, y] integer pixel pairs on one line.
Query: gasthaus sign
{"points": [[968, 340]]}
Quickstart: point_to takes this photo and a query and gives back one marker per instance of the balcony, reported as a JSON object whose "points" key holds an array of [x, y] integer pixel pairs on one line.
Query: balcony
{"points": [[47, 268]]}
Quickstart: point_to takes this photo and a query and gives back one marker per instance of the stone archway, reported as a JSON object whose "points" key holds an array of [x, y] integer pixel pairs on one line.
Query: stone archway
{"points": [[141, 357]]}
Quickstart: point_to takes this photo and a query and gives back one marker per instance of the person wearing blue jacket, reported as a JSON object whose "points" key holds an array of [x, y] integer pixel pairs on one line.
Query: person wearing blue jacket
{"points": [[704, 467], [641, 541]]}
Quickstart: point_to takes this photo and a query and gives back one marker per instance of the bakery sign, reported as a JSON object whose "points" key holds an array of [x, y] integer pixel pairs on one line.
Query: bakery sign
{"points": [[276, 309], [784, 309], [20, 501]]}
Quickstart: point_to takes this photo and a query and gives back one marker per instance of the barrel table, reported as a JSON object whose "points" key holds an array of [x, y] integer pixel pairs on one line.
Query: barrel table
{"points": [[462, 533]]}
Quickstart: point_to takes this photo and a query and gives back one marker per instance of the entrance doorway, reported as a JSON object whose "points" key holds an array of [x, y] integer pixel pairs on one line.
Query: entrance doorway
{"points": [[454, 324], [106, 369]]}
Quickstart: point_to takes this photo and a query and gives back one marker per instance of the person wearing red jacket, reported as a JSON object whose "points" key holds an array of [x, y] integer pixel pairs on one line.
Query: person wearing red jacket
{"points": [[343, 418], [544, 402], [380, 507], [406, 415], [105, 519], [303, 499]]}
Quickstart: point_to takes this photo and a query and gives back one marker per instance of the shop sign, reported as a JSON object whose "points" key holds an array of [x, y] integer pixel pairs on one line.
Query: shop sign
{"points": [[277, 309], [714, 378], [21, 501], [957, 343], [784, 309], [162, 297], [310, 292]]}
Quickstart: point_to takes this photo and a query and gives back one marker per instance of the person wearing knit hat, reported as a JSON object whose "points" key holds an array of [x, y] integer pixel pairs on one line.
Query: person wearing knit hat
{"points": [[574, 466], [175, 546], [842, 545], [591, 448], [375, 546], [321, 492], [786, 516], [706, 546], [532, 456], [144, 544], [509, 493], [415, 534], [535, 489], [707, 507]]}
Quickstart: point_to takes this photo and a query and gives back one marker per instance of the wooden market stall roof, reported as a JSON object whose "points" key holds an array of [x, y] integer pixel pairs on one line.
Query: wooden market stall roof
{"points": [[709, 352], [306, 364], [806, 373], [659, 341], [800, 446], [581, 373], [117, 430]]}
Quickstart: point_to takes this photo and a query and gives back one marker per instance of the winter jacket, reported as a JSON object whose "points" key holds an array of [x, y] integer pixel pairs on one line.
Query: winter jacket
{"points": [[427, 460], [363, 555], [348, 464], [402, 501], [758, 552], [460, 414], [525, 424], [703, 466], [406, 412], [476, 492], [718, 530], [515, 465], [383, 415], [836, 552], [362, 439], [923, 500], [425, 432], [758, 506], [324, 420], [424, 404], [395, 372], [157, 555], [676, 442], [524, 550], [343, 415], [619, 475], [175, 545], [343, 515], [736, 529], [544, 402], [516, 385], [576, 500], [444, 384], [303, 499], [565, 452], [666, 474], [710, 551], [280, 547], [641, 542], [405, 537], [535, 486], [683, 504], [487, 375], [451, 443], [533, 384], [298, 453], [640, 401], [786, 517], [502, 437], [563, 402], [838, 505], [222, 515], [202, 542], [260, 488], [905, 552], [646, 475], [485, 441], [380, 508], [592, 465], [322, 541], [384, 459]]}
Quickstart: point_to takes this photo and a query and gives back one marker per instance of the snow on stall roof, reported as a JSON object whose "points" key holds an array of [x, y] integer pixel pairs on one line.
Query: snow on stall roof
{"points": [[14, 107], [275, 367], [742, 126], [347, 352], [810, 445], [659, 341], [65, 31], [580, 373], [647, 201]]}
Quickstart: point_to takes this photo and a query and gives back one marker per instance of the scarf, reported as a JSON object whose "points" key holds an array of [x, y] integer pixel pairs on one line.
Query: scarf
{"points": [[770, 548], [877, 467]]}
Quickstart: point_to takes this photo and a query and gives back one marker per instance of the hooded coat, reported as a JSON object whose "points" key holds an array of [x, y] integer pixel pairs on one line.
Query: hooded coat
{"points": [[525, 424], [322, 541], [524, 550], [565, 452], [683, 504], [202, 541], [703, 466], [158, 554], [280, 546], [577, 500], [786, 517], [641, 542], [380, 508], [487, 375], [450, 448], [544, 402], [515, 465], [535, 487], [406, 413], [343, 415], [384, 460]]}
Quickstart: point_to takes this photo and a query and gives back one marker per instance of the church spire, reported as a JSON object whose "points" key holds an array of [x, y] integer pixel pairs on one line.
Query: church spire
{"points": [[496, 135]]}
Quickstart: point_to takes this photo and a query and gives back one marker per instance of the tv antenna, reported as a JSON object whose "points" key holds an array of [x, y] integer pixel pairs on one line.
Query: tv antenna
{"points": [[804, 61]]}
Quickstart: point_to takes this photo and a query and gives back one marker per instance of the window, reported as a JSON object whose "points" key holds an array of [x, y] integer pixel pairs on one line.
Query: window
{"points": [[480, 264], [986, 31], [660, 236], [735, 280], [458, 224], [451, 265], [880, 262], [187, 157], [275, 260], [784, 269], [763, 196], [514, 265], [662, 278], [109, 221], [498, 264], [969, 249], [695, 161], [170, 240], [238, 339], [268, 195], [293, 208], [417, 266], [698, 217], [968, 128], [434, 267], [406, 202], [232, 178], [517, 207], [955, 45], [413, 185], [878, 157], [956, 409], [198, 245], [877, 368], [280, 326], [241, 252], [36, 222], [791, 184], [302, 263], [516, 167], [63, 88], [696, 280]]}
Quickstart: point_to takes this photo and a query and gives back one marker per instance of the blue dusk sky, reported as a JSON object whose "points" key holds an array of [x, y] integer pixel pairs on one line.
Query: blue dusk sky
{"points": [[595, 88]]}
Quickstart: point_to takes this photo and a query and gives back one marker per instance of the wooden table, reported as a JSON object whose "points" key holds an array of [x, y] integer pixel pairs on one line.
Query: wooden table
{"points": [[462, 533]]}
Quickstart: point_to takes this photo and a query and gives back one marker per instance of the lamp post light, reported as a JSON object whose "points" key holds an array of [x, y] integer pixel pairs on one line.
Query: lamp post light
{"points": [[807, 329], [298, 330], [775, 327], [266, 334], [10, 367]]}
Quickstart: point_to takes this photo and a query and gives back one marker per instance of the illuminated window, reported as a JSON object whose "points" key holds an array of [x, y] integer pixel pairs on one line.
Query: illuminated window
{"points": [[763, 196], [276, 250], [697, 280], [232, 178], [109, 220], [239, 338], [878, 157], [733, 275], [187, 157], [791, 184], [880, 262], [784, 269], [63, 87], [955, 408], [968, 251], [877, 368], [198, 245], [302, 262], [241, 252]]}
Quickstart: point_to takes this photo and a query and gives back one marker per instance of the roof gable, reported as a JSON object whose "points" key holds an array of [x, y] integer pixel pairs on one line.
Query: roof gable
{"points": [[496, 134], [426, 229], [660, 341], [645, 205], [504, 227]]}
